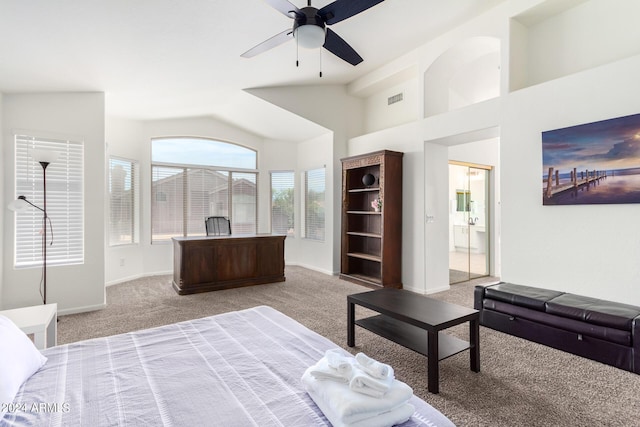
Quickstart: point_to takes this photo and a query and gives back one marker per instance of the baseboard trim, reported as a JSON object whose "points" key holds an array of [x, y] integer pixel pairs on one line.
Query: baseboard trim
{"points": [[436, 290], [137, 276], [84, 309], [162, 273], [311, 267], [423, 292], [294, 264]]}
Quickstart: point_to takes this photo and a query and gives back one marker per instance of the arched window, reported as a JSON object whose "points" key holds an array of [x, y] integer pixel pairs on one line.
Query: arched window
{"points": [[193, 178]]}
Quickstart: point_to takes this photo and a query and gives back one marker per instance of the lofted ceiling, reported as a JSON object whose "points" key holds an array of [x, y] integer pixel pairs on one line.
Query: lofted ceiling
{"points": [[159, 59]]}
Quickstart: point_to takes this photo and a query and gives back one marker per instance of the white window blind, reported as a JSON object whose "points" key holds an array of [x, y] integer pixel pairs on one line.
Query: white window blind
{"points": [[244, 200], [193, 178], [181, 199], [197, 201], [65, 202], [282, 203], [167, 189], [219, 194], [123, 201], [314, 197]]}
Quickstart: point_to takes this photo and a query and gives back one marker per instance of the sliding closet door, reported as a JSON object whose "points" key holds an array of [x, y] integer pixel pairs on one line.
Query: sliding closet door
{"points": [[468, 222]]}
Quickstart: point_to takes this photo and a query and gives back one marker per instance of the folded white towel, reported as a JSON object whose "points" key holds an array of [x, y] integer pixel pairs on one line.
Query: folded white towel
{"points": [[390, 418], [348, 406], [322, 371], [373, 367], [362, 382], [338, 360]]}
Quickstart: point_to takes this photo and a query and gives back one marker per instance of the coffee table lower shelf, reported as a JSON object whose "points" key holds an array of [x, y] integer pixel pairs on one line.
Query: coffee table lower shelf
{"points": [[412, 337]]}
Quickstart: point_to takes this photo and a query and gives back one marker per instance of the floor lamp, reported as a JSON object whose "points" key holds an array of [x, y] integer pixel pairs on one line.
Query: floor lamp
{"points": [[45, 158]]}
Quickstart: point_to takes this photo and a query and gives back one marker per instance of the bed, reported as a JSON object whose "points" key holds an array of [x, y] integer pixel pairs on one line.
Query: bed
{"points": [[241, 368]]}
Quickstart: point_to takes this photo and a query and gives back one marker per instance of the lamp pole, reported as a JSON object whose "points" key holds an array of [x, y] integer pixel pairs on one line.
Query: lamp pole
{"points": [[44, 230], [44, 158], [21, 203]]}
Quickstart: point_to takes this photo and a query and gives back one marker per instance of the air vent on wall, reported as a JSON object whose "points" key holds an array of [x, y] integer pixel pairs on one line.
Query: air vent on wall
{"points": [[395, 98]]}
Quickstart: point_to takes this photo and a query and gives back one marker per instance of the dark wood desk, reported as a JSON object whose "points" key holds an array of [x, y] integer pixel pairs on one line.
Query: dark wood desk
{"points": [[202, 264], [415, 321]]}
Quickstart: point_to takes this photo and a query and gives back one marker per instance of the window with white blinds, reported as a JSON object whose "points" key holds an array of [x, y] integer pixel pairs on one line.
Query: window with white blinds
{"points": [[244, 196], [314, 208], [167, 217], [282, 203], [65, 202], [123, 201], [184, 194]]}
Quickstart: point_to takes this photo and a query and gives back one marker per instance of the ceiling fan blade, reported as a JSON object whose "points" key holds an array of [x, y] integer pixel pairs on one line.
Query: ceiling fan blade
{"points": [[270, 43], [340, 48], [284, 7], [342, 9]]}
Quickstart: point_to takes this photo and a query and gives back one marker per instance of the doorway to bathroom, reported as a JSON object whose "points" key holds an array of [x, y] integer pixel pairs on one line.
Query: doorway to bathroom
{"points": [[469, 231]]}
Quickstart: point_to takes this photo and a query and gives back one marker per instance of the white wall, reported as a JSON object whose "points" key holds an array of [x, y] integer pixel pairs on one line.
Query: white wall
{"points": [[436, 236], [379, 115], [132, 139], [543, 246], [2, 210], [425, 259], [549, 247], [464, 74], [315, 255], [78, 116], [280, 156], [123, 140], [332, 107], [594, 33], [584, 249], [406, 139]]}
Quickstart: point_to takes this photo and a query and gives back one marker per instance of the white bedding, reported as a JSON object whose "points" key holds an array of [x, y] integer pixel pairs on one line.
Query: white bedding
{"points": [[235, 369]]}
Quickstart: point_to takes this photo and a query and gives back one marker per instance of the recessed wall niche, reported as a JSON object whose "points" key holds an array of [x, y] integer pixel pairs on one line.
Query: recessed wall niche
{"points": [[561, 37], [465, 74]]}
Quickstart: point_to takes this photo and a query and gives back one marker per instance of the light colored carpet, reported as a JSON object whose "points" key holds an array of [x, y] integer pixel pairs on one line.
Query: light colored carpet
{"points": [[520, 384], [458, 276]]}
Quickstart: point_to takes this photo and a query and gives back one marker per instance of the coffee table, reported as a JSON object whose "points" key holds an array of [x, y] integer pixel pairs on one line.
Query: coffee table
{"points": [[415, 322]]}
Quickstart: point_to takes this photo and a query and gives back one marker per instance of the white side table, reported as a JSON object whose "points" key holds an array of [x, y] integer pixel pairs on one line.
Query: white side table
{"points": [[39, 320]]}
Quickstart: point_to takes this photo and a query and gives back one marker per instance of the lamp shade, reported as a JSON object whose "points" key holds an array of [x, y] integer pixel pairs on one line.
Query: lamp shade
{"points": [[18, 204], [21, 203], [44, 156], [309, 36]]}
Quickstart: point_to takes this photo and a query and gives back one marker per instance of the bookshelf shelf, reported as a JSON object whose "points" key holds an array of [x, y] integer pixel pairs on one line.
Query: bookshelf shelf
{"points": [[371, 241]]}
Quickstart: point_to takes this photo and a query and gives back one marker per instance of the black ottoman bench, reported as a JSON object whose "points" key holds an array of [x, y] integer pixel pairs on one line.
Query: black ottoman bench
{"points": [[605, 331]]}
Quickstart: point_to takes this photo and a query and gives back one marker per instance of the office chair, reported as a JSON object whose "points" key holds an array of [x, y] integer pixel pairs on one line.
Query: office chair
{"points": [[217, 226]]}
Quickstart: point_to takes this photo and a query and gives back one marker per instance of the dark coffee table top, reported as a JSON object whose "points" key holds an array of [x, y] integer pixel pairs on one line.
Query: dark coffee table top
{"points": [[426, 313]]}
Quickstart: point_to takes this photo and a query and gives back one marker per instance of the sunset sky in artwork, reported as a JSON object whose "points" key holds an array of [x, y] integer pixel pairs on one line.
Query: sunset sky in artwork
{"points": [[605, 145]]}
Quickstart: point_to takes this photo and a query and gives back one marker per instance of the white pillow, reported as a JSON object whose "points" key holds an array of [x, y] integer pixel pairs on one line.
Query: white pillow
{"points": [[19, 359]]}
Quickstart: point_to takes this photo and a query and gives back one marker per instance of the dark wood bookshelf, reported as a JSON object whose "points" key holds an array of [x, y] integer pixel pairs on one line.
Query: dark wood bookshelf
{"points": [[371, 251]]}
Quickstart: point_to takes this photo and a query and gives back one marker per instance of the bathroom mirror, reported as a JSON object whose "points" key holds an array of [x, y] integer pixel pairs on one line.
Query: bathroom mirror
{"points": [[463, 199]]}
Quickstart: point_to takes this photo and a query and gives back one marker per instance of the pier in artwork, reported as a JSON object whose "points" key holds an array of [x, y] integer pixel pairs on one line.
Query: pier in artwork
{"points": [[585, 178]]}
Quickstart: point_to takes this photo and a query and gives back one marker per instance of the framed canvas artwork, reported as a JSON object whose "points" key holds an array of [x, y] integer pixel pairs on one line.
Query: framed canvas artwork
{"points": [[593, 163]]}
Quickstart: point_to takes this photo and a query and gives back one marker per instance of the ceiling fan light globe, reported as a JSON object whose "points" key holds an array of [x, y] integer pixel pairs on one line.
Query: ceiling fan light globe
{"points": [[309, 36]]}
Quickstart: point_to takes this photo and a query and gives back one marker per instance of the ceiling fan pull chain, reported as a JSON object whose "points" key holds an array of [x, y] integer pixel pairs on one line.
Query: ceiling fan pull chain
{"points": [[320, 52], [297, 55]]}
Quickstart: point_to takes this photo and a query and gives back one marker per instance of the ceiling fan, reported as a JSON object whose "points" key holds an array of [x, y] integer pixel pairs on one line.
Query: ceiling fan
{"points": [[310, 27]]}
